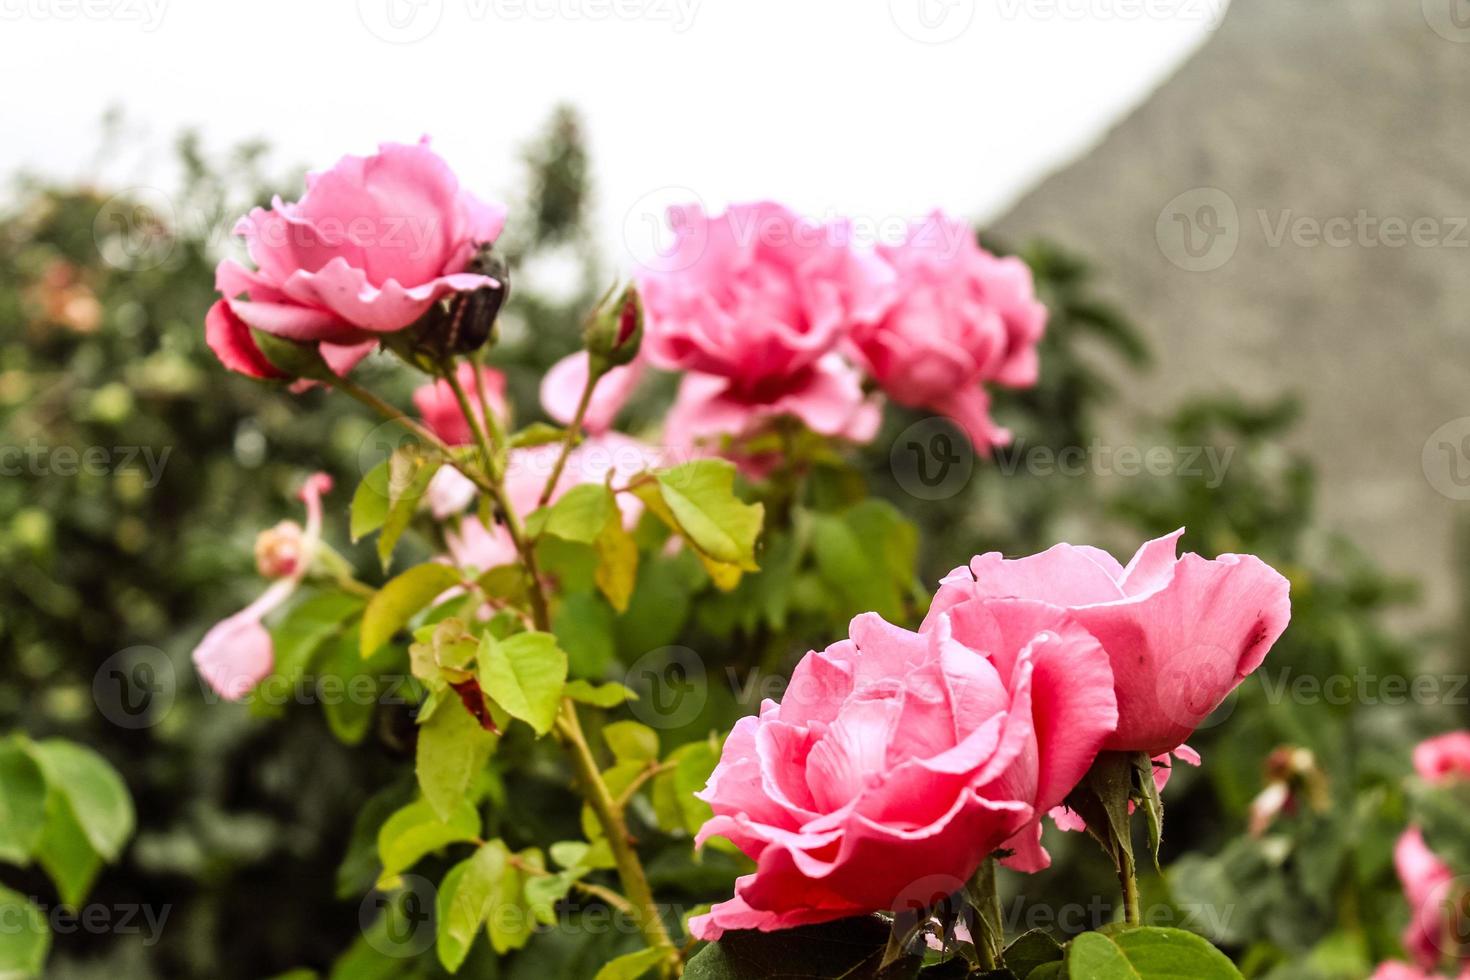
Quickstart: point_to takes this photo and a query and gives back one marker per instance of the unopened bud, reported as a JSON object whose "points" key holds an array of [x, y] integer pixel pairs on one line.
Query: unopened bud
{"points": [[615, 331], [278, 550]]}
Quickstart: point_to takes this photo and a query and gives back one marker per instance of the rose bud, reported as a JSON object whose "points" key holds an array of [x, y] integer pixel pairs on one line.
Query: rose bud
{"points": [[278, 550], [615, 332]]}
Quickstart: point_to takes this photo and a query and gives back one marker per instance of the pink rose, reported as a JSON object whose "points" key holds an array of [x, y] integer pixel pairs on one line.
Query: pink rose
{"points": [[440, 408], [829, 399], [898, 761], [757, 298], [1181, 633], [237, 653], [1427, 884], [1443, 757], [963, 319], [371, 245]]}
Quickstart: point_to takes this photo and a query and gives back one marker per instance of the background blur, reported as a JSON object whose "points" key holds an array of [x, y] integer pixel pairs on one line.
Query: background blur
{"points": [[1250, 224]]}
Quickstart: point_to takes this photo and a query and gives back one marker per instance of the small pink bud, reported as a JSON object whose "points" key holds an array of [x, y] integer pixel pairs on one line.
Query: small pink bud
{"points": [[278, 550]]}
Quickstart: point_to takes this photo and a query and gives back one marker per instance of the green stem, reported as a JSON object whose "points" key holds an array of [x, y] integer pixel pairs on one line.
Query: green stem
{"points": [[599, 797], [495, 486], [390, 412], [610, 816], [604, 806], [569, 439], [1128, 878]]}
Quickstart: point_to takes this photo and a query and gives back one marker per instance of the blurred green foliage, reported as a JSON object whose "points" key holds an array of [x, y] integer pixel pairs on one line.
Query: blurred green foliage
{"points": [[257, 833]]}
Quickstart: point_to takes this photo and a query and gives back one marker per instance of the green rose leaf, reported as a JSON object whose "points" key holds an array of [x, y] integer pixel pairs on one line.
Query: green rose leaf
{"points": [[370, 502], [525, 675], [410, 469], [542, 892], [674, 803], [1031, 950], [867, 555], [578, 515], [417, 830], [631, 741], [452, 749], [25, 940], [608, 695], [65, 853], [1147, 953], [22, 803], [699, 501], [392, 606], [617, 562], [466, 899], [94, 792]]}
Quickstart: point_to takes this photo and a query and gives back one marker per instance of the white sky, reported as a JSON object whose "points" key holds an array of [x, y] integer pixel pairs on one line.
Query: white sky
{"points": [[883, 109]]}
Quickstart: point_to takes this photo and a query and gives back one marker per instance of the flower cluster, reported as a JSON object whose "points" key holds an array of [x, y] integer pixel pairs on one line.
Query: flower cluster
{"points": [[771, 315], [1434, 893], [900, 755], [1059, 686]]}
